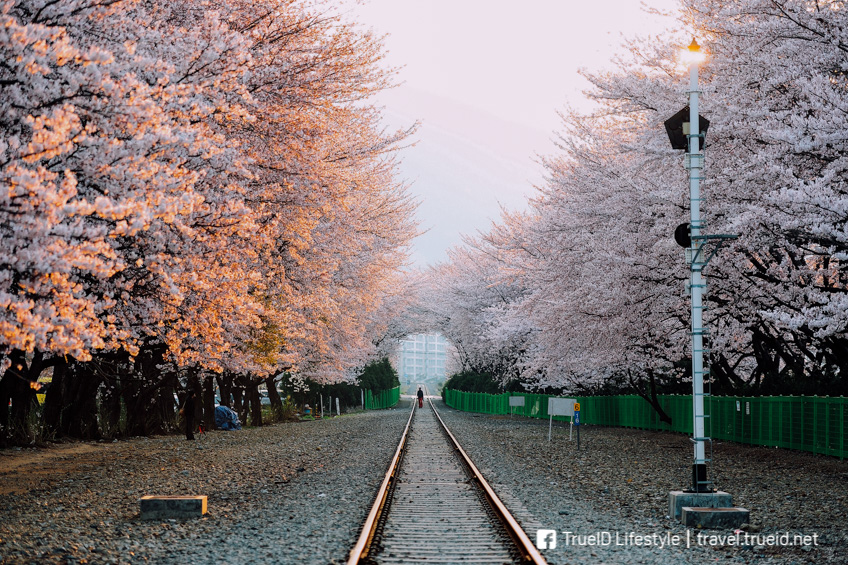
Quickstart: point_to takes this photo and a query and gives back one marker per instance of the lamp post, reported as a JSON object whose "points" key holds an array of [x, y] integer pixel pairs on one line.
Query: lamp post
{"points": [[698, 284], [686, 129]]}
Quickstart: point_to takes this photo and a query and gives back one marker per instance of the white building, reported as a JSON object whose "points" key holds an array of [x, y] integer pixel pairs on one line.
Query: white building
{"points": [[421, 357]]}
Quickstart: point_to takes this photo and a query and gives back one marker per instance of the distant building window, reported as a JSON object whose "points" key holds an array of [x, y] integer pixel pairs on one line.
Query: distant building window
{"points": [[423, 355]]}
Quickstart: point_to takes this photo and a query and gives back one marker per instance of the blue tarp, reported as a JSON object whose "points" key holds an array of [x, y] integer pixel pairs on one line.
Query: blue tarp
{"points": [[226, 419]]}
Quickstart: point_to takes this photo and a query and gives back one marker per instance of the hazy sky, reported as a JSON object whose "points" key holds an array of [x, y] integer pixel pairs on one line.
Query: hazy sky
{"points": [[486, 78]]}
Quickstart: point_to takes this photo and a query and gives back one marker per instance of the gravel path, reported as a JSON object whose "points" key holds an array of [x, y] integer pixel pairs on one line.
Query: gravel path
{"points": [[288, 493], [618, 482]]}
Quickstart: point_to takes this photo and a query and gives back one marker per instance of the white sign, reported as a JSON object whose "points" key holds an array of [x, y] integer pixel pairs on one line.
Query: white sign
{"points": [[516, 401], [560, 406]]}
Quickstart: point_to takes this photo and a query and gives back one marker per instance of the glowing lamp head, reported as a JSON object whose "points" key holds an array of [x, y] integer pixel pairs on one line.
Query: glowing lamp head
{"points": [[693, 55]]}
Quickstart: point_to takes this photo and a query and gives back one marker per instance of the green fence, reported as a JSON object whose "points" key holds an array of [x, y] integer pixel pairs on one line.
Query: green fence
{"points": [[383, 399], [807, 423]]}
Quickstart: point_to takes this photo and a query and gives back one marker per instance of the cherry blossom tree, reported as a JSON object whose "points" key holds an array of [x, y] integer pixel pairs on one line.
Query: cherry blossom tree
{"points": [[603, 280], [189, 191]]}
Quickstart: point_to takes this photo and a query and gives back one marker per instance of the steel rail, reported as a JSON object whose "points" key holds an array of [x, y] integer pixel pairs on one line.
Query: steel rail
{"points": [[363, 544], [523, 543], [379, 511]]}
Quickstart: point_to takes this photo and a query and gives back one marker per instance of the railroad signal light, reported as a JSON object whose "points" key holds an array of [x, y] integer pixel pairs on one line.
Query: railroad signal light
{"points": [[682, 237], [678, 129]]}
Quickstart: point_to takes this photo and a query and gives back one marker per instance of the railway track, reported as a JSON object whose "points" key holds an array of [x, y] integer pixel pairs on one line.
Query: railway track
{"points": [[433, 506]]}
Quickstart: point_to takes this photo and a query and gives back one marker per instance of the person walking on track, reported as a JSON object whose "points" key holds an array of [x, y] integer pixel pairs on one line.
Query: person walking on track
{"points": [[420, 398]]}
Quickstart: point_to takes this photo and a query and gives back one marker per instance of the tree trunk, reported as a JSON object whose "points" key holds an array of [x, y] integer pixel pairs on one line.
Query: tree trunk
{"points": [[110, 408], [160, 391], [194, 394], [22, 398], [209, 402], [252, 394], [23, 394], [168, 406], [188, 413], [147, 393], [651, 399], [726, 380], [54, 401], [240, 402], [225, 386], [274, 397], [79, 415], [5, 398]]}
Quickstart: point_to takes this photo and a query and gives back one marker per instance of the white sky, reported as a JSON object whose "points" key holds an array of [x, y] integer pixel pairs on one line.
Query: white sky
{"points": [[486, 78]]}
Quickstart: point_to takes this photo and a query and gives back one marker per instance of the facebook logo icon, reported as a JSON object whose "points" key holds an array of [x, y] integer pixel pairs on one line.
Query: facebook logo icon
{"points": [[546, 539]]}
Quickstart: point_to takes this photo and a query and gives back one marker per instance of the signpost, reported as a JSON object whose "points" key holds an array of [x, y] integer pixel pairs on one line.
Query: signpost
{"points": [[559, 407], [576, 421], [515, 401]]}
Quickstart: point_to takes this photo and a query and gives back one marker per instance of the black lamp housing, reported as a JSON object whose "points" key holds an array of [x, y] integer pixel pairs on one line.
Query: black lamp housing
{"points": [[681, 235], [674, 128]]}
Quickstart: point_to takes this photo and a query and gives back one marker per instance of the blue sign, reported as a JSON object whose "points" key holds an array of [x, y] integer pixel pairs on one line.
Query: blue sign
{"points": [[577, 417]]}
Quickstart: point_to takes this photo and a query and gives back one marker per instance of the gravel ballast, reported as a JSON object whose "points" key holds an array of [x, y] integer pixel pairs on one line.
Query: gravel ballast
{"points": [[618, 483], [287, 493], [299, 492]]}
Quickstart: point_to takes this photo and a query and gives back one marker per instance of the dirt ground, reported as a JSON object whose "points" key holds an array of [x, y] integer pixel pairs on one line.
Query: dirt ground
{"points": [[24, 469]]}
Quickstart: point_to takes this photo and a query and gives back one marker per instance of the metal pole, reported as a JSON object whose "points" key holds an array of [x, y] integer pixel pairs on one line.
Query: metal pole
{"points": [[698, 285]]}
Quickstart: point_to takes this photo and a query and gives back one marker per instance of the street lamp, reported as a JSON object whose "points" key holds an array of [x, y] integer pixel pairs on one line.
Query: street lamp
{"points": [[700, 483], [693, 55], [692, 236], [682, 136]]}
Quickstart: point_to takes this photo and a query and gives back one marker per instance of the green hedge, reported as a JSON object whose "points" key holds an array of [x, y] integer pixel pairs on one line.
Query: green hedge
{"points": [[807, 423]]}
